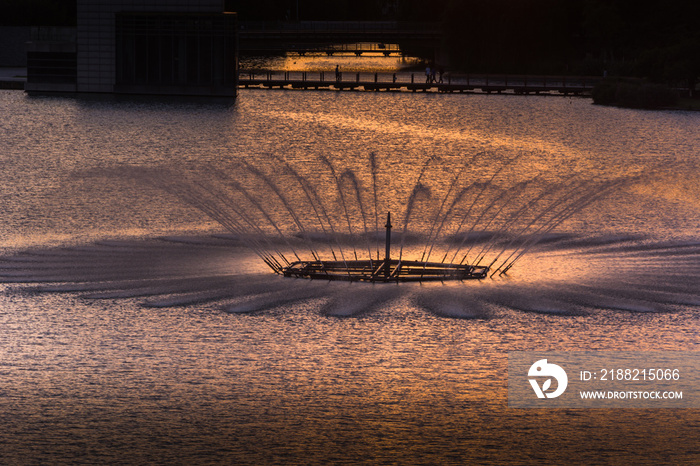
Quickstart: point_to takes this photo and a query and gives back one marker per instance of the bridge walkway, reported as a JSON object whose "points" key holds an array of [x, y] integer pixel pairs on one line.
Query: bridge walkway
{"points": [[417, 82]]}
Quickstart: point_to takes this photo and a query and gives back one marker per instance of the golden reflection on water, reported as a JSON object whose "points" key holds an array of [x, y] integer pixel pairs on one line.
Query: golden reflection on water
{"points": [[390, 385], [95, 369], [348, 63], [133, 351], [479, 139], [679, 187]]}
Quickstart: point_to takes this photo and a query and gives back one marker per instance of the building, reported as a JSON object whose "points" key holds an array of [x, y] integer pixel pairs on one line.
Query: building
{"points": [[12, 45], [173, 47], [51, 60]]}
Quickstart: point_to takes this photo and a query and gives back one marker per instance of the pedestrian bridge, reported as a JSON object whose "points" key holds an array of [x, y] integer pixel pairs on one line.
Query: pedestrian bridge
{"points": [[419, 82]]}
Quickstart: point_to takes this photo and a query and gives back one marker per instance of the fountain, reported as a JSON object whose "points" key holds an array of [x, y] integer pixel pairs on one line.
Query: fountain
{"points": [[386, 270], [328, 213], [448, 223]]}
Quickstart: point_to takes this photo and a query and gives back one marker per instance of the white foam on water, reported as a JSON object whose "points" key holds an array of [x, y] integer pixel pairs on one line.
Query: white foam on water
{"points": [[354, 299], [451, 304], [300, 292], [533, 298]]}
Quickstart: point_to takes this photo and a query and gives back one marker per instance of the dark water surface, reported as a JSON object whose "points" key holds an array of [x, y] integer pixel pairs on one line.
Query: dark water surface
{"points": [[136, 329]]}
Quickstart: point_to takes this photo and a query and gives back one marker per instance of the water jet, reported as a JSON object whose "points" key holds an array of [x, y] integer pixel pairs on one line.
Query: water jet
{"points": [[315, 221]]}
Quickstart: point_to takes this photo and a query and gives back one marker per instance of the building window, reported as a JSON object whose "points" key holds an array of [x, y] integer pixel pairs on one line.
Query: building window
{"points": [[51, 67], [159, 50]]}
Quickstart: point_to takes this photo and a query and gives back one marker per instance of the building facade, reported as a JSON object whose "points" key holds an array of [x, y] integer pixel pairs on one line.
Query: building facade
{"points": [[174, 47]]}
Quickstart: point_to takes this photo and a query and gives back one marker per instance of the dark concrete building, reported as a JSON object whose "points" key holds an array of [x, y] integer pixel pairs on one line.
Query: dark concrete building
{"points": [[174, 47], [12, 45], [51, 60]]}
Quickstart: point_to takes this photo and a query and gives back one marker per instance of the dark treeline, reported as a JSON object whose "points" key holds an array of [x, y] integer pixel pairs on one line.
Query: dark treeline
{"points": [[658, 39], [655, 39]]}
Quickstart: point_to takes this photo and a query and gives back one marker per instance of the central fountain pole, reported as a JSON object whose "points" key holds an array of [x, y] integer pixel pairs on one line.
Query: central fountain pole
{"points": [[387, 253], [389, 271]]}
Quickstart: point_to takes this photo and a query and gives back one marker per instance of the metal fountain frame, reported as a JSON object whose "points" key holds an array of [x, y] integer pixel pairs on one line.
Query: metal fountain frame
{"points": [[387, 270]]}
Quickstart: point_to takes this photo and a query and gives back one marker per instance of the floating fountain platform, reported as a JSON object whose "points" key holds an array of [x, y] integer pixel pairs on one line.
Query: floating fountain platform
{"points": [[384, 271], [387, 270]]}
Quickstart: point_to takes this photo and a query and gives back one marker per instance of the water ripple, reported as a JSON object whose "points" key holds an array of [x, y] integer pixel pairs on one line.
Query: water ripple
{"points": [[566, 276]]}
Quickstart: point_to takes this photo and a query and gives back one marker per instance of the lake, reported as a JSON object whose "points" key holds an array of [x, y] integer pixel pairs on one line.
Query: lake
{"points": [[135, 327]]}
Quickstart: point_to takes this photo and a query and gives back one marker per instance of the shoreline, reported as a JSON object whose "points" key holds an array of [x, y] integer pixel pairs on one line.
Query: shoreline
{"points": [[14, 78]]}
